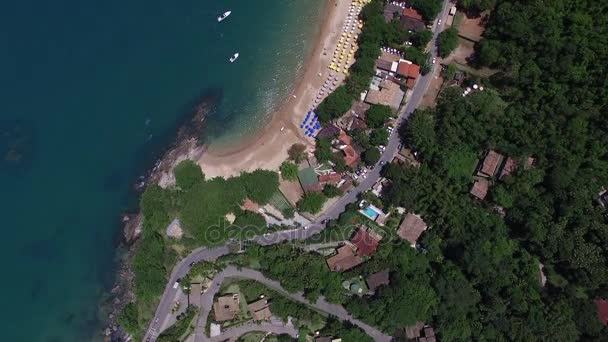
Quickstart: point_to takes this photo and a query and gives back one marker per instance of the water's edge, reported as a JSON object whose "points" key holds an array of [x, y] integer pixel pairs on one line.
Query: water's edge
{"points": [[187, 144]]}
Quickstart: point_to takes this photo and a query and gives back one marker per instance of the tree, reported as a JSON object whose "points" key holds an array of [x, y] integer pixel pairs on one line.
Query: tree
{"points": [[187, 173], [419, 133], [339, 163], [289, 171], [129, 318], [312, 202], [260, 185], [361, 138], [331, 191], [421, 38], [447, 41], [379, 137], [335, 104], [323, 150], [297, 153], [477, 5], [428, 8], [371, 156], [449, 72], [377, 115]]}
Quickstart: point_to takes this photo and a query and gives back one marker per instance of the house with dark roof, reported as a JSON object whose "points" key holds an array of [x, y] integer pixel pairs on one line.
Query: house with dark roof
{"points": [[366, 241], [411, 228], [328, 131], [392, 11], [412, 20], [260, 310], [226, 307], [375, 280], [480, 188]]}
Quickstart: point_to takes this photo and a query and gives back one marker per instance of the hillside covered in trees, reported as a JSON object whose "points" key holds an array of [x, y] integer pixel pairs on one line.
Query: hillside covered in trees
{"points": [[548, 101]]}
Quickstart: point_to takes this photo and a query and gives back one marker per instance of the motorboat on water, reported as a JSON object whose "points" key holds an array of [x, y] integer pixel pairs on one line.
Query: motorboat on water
{"points": [[223, 16], [234, 57]]}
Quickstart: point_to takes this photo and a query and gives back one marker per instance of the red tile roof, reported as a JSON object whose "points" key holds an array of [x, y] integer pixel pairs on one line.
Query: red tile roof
{"points": [[332, 177], [412, 13], [344, 138], [480, 188], [414, 71], [366, 242], [408, 70], [602, 310], [410, 83], [350, 156], [344, 259]]}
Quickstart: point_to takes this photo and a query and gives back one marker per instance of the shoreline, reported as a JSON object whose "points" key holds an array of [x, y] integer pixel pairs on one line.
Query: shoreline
{"points": [[268, 148]]}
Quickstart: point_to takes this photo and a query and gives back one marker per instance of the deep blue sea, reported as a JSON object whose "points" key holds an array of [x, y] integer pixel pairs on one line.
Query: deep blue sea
{"points": [[91, 92]]}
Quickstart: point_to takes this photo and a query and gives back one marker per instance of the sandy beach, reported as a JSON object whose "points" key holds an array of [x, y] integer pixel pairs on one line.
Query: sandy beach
{"points": [[268, 149]]}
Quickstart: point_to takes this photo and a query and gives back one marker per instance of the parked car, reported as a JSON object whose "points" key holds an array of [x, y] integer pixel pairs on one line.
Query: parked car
{"points": [[434, 60]]}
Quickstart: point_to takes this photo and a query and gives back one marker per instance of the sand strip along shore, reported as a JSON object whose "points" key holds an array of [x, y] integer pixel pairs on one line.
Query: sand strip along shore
{"points": [[269, 148]]}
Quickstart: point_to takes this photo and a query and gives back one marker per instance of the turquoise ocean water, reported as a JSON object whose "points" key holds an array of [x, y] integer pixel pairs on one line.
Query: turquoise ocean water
{"points": [[91, 92]]}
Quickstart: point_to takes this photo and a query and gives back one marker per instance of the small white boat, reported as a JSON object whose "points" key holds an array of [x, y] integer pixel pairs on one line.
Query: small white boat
{"points": [[223, 16], [234, 57]]}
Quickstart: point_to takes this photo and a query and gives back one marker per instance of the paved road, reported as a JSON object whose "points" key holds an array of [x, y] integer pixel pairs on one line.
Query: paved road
{"points": [[322, 305], [181, 269], [233, 333]]}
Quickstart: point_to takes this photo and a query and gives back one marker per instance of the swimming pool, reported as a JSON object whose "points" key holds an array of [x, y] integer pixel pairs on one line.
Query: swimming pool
{"points": [[369, 212]]}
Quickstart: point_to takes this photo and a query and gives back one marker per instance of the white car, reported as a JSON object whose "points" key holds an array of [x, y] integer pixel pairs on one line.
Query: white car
{"points": [[439, 22], [176, 285], [434, 60]]}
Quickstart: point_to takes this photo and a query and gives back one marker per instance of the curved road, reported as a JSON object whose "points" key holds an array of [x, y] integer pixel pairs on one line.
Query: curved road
{"points": [[322, 305], [209, 254]]}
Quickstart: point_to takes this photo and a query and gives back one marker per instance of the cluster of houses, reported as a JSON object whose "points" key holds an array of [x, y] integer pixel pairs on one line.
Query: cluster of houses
{"points": [[228, 307], [494, 166]]}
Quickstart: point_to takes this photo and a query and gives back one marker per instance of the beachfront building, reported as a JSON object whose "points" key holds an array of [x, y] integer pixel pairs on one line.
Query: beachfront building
{"points": [[386, 93], [308, 180]]}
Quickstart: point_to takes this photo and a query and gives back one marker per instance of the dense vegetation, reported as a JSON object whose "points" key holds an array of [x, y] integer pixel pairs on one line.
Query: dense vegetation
{"points": [[289, 171], [180, 327], [298, 271], [312, 202], [375, 34], [201, 206], [447, 41], [280, 305], [551, 104], [344, 330]]}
